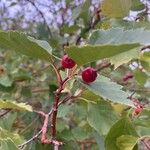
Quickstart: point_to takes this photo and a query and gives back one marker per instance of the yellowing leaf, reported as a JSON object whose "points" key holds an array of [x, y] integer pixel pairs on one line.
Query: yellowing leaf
{"points": [[5, 144], [4, 134], [116, 8], [126, 142], [121, 127], [14, 105]]}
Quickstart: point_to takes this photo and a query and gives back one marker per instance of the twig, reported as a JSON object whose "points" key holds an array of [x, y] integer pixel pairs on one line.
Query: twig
{"points": [[5, 112], [91, 26], [30, 140], [145, 47], [50, 112], [145, 143], [59, 78], [106, 65], [36, 135], [42, 15]]}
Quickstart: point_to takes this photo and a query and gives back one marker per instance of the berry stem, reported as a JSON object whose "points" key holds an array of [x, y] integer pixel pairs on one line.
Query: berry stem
{"points": [[59, 78]]}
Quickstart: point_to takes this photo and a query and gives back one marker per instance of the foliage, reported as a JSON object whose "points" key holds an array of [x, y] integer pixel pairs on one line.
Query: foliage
{"points": [[44, 105]]}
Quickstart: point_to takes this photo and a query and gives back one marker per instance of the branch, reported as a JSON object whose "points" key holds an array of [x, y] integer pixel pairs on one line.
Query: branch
{"points": [[5, 112], [146, 144], [42, 15], [55, 107], [103, 66], [30, 140], [145, 47], [38, 134], [91, 26], [70, 96], [59, 78]]}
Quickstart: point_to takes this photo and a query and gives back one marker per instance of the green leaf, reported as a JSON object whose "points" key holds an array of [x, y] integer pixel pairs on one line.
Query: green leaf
{"points": [[26, 91], [89, 96], [60, 125], [7, 89], [126, 142], [14, 105], [128, 25], [137, 5], [122, 127], [79, 134], [63, 110], [120, 36], [4, 134], [140, 76], [100, 141], [124, 57], [7, 144], [108, 90], [6, 81], [7, 121], [98, 115], [116, 8], [19, 42], [145, 60], [21, 74], [89, 53]]}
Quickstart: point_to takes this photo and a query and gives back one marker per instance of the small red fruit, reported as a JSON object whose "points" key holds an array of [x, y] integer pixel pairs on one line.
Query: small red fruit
{"points": [[89, 75], [67, 62], [127, 77], [138, 110]]}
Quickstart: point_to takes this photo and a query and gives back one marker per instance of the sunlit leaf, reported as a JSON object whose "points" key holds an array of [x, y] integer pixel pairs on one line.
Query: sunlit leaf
{"points": [[7, 144], [116, 8], [126, 142], [14, 105], [4, 134], [122, 127]]}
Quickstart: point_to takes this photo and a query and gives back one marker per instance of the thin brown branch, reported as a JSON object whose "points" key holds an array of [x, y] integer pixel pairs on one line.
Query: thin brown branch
{"points": [[70, 96], [146, 144], [55, 107], [59, 78], [52, 112], [30, 140], [145, 47], [42, 15], [91, 26], [36, 135], [4, 112], [103, 66]]}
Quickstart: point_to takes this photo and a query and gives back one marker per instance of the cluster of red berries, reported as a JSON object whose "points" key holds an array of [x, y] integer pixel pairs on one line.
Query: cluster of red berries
{"points": [[88, 74]]}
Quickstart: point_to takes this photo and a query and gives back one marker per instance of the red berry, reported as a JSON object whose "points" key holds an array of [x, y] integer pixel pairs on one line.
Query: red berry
{"points": [[138, 110], [127, 77], [67, 62], [89, 74]]}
